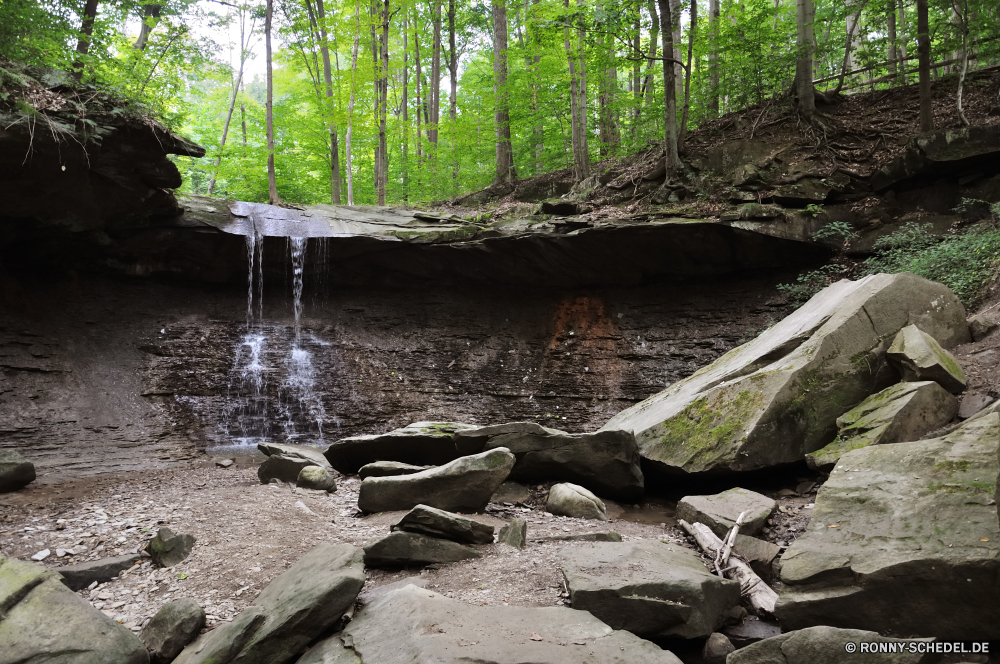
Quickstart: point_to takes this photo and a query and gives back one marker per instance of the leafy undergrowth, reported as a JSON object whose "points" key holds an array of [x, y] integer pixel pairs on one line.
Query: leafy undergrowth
{"points": [[966, 260]]}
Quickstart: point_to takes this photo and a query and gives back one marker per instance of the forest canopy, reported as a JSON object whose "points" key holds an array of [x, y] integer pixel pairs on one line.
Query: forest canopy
{"points": [[412, 101]]}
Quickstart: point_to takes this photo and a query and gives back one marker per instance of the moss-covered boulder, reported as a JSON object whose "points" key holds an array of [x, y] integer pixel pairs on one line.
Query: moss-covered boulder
{"points": [[464, 485], [777, 398], [904, 539], [900, 413], [918, 356], [41, 620]]}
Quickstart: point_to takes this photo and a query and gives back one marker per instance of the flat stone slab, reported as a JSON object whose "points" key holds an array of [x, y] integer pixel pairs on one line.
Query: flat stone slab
{"points": [[307, 452], [605, 462], [389, 469], [418, 625], [919, 356], [419, 444], [776, 398], [44, 621], [909, 525], [439, 523], [720, 511], [899, 413], [511, 492], [293, 610], [400, 549], [649, 588], [819, 645], [81, 575], [463, 485]]}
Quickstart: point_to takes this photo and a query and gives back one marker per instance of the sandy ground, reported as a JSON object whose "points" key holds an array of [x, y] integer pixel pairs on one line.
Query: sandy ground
{"points": [[248, 533]]}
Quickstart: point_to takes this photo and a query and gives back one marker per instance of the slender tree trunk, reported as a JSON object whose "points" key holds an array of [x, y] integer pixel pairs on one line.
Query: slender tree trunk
{"points": [[505, 154], [405, 104], [150, 17], [713, 58], [672, 156], [86, 33], [804, 59], [692, 33], [636, 76], [243, 122], [610, 135], [453, 77], [383, 95], [901, 28], [963, 24], [420, 100], [435, 83], [272, 185], [328, 79], [348, 156], [924, 66], [848, 63], [891, 34], [654, 36], [225, 129]]}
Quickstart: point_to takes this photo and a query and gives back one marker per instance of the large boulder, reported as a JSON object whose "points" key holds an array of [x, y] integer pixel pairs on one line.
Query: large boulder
{"points": [[175, 625], [282, 468], [81, 575], [649, 588], [897, 414], [904, 539], [16, 472], [575, 501], [421, 443], [463, 485], [829, 645], [720, 511], [606, 462], [400, 549], [316, 478], [41, 620], [776, 398], [439, 523], [413, 624], [294, 451], [294, 609], [167, 548], [330, 651], [918, 356]]}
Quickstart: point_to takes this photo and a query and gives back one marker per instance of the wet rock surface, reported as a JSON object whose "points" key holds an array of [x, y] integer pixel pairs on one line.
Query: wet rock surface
{"points": [[651, 589]]}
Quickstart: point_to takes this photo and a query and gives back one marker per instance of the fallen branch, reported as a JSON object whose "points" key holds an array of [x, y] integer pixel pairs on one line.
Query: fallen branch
{"points": [[760, 595]]}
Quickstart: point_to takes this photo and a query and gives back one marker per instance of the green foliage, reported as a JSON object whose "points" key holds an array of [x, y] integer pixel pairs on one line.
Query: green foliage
{"points": [[814, 209], [811, 282], [835, 230]]}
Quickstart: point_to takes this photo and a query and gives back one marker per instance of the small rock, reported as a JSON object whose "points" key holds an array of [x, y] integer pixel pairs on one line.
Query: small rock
{"points": [[575, 501], [980, 327], [805, 487], [82, 575], [174, 626], [317, 478], [439, 523], [61, 552], [918, 356], [168, 549], [225, 463], [514, 534], [281, 467], [400, 548], [717, 648], [16, 472], [389, 469], [972, 404], [41, 555], [720, 511]]}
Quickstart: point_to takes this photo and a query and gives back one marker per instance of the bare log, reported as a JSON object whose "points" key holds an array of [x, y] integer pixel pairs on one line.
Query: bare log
{"points": [[760, 595]]}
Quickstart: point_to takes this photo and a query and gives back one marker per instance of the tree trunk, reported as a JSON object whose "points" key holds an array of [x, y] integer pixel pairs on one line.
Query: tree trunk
{"points": [[86, 32], [901, 28], [505, 154], [328, 78], [924, 66], [453, 78], [272, 186], [804, 59], [382, 101], [243, 121], [419, 84], [150, 17], [672, 156], [713, 58], [348, 157], [963, 24], [848, 63], [692, 32], [636, 76], [405, 104], [435, 83], [578, 100], [654, 36], [244, 52], [891, 34], [610, 135]]}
